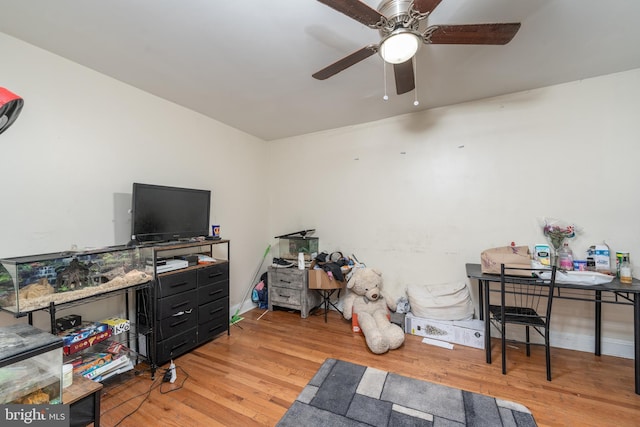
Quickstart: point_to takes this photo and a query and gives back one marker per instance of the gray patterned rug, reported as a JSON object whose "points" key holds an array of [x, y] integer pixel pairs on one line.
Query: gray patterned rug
{"points": [[345, 394]]}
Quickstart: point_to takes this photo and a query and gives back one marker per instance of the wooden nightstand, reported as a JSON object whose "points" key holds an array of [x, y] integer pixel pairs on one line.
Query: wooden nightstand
{"points": [[288, 287]]}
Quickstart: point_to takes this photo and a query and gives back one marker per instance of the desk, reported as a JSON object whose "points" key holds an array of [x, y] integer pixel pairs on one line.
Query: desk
{"points": [[617, 292]]}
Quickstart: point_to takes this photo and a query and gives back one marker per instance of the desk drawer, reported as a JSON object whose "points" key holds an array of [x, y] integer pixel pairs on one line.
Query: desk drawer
{"points": [[170, 306], [174, 283]]}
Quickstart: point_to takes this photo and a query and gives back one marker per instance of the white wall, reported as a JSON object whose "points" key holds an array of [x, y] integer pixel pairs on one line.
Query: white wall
{"points": [[82, 139], [417, 196], [420, 195]]}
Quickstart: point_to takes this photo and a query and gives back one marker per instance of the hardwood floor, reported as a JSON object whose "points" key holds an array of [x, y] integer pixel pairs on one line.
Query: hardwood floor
{"points": [[251, 377]]}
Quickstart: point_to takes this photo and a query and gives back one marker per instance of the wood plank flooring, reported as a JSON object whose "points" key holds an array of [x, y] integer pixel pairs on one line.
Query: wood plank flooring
{"points": [[251, 377]]}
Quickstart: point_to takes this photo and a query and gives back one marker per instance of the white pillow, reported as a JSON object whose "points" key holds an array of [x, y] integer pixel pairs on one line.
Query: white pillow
{"points": [[442, 301]]}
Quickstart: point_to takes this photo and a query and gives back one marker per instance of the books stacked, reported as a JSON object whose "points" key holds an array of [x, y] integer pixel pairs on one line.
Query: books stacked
{"points": [[101, 365]]}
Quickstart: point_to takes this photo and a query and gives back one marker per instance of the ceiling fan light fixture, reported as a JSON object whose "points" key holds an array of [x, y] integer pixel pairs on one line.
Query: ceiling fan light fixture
{"points": [[400, 46]]}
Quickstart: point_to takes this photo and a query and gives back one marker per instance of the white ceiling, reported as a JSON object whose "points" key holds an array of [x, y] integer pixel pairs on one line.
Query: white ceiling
{"points": [[249, 63]]}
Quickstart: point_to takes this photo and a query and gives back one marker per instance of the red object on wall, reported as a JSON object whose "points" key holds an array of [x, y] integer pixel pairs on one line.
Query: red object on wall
{"points": [[10, 107]]}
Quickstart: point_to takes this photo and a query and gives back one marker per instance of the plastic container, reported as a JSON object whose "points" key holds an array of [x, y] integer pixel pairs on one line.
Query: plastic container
{"points": [[565, 257], [580, 264], [67, 375], [625, 271], [300, 261]]}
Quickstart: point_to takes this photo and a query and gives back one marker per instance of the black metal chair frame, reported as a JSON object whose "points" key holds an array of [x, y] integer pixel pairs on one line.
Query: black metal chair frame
{"points": [[526, 307]]}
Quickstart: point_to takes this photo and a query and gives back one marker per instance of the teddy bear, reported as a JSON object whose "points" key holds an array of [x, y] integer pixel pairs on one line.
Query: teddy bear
{"points": [[366, 300]]}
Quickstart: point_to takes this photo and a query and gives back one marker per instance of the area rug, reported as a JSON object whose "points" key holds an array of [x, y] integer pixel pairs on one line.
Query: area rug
{"points": [[346, 394]]}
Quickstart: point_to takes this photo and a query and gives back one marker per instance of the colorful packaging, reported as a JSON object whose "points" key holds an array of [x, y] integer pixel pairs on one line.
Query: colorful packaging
{"points": [[601, 256], [117, 325], [542, 254]]}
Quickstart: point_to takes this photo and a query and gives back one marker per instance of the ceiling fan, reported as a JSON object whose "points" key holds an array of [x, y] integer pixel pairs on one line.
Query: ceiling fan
{"points": [[398, 22]]}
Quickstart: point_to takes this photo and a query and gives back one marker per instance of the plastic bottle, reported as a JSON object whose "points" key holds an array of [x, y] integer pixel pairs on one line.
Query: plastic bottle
{"points": [[625, 271], [565, 256], [300, 261]]}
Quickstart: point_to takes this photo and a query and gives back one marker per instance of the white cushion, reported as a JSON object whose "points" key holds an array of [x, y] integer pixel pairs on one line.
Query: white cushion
{"points": [[441, 301]]}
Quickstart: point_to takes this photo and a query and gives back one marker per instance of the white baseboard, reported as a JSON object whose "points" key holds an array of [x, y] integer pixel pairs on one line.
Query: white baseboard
{"points": [[609, 346], [248, 305]]}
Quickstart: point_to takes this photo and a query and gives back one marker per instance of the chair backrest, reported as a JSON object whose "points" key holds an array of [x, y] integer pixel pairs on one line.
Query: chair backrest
{"points": [[533, 294]]}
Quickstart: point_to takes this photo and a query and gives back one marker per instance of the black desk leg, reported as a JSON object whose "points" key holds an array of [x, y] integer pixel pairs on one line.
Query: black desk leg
{"points": [[484, 285], [636, 338], [598, 321], [480, 301]]}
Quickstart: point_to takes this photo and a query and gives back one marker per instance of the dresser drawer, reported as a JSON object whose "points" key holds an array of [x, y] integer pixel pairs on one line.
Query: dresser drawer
{"points": [[285, 297], [174, 283], [212, 292], [177, 324], [218, 273], [170, 306], [175, 346], [213, 327], [288, 278], [214, 309]]}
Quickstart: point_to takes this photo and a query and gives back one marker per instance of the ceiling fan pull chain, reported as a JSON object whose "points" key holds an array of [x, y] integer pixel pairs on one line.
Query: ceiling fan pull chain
{"points": [[384, 73], [415, 82]]}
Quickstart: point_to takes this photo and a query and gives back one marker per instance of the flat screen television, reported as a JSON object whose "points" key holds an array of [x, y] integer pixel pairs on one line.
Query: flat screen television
{"points": [[160, 213]]}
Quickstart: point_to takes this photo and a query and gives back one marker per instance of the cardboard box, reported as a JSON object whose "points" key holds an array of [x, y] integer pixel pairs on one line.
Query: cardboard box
{"points": [[68, 322], [82, 332], [86, 343], [319, 279], [465, 332], [117, 325]]}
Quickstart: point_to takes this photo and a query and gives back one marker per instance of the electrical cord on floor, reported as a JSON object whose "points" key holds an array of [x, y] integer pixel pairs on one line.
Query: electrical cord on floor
{"points": [[186, 376], [165, 378]]}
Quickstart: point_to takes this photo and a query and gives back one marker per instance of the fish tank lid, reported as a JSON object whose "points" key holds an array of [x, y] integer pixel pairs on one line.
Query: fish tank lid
{"points": [[20, 341]]}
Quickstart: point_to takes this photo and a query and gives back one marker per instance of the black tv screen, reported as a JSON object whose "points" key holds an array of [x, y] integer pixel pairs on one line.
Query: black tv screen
{"points": [[160, 213]]}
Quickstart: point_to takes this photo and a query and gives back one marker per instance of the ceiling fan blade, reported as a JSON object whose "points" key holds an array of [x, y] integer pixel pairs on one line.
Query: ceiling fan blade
{"points": [[345, 62], [356, 10], [405, 80], [471, 34], [425, 6]]}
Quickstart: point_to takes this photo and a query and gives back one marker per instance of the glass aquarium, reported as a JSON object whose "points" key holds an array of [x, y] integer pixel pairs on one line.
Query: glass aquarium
{"points": [[33, 282], [30, 366], [289, 247]]}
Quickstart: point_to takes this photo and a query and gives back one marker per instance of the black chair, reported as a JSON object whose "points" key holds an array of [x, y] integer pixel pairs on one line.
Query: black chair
{"points": [[526, 296]]}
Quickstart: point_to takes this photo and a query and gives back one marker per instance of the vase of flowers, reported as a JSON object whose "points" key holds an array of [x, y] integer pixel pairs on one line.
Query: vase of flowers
{"points": [[557, 232]]}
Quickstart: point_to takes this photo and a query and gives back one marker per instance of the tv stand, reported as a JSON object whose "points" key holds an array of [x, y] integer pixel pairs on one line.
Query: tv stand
{"points": [[189, 306]]}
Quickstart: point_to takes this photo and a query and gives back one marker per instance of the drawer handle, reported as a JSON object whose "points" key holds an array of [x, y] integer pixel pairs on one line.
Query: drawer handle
{"points": [[180, 304], [215, 292], [178, 345], [180, 322], [216, 310], [212, 275], [284, 296], [214, 328], [285, 281], [182, 313], [175, 285]]}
